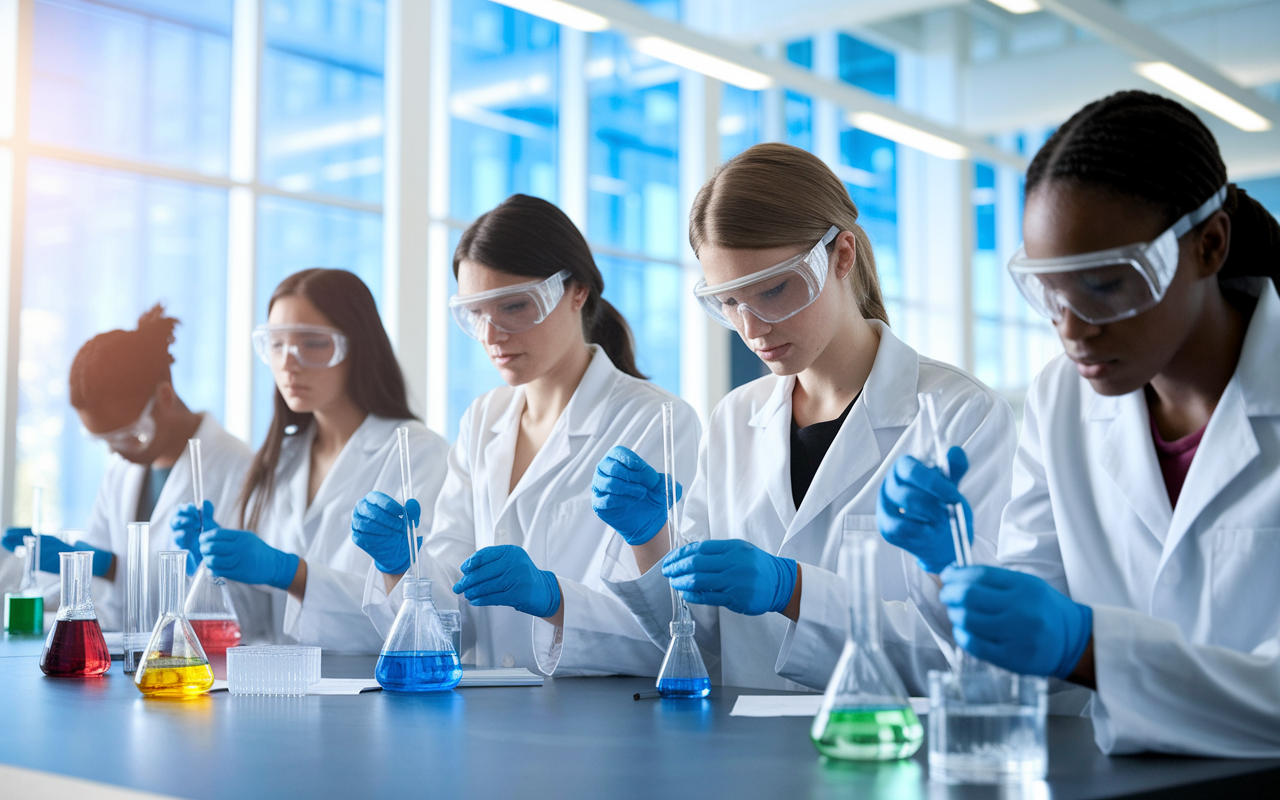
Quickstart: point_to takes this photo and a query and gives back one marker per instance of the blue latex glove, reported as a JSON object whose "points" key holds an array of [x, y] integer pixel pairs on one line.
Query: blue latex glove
{"points": [[186, 525], [52, 546], [912, 509], [377, 527], [732, 573], [242, 556], [504, 575], [1015, 621], [627, 495]]}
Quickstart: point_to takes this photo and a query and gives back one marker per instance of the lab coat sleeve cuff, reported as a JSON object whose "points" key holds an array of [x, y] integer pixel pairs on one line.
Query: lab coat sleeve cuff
{"points": [[648, 598], [812, 645], [378, 605], [600, 636]]}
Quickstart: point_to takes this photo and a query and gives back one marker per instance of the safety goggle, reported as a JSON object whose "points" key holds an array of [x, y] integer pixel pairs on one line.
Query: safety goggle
{"points": [[772, 294], [511, 309], [312, 346], [1107, 285], [134, 437]]}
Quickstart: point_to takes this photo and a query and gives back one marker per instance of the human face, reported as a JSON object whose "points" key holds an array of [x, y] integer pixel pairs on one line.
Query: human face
{"points": [[306, 389], [534, 353], [791, 346], [1065, 219], [135, 440]]}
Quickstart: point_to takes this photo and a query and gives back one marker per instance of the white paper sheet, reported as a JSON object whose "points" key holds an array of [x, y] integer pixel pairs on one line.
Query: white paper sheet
{"points": [[795, 705], [517, 676]]}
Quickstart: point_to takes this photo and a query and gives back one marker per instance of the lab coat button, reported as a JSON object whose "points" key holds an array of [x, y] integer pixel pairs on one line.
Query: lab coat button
{"points": [[508, 661]]}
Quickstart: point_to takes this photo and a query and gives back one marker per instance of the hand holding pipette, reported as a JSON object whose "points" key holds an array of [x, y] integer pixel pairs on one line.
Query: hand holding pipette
{"points": [[912, 509], [630, 496], [377, 527]]}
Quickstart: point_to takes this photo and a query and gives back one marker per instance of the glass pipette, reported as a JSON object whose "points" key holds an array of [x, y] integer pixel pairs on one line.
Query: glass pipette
{"points": [[197, 488], [406, 492]]}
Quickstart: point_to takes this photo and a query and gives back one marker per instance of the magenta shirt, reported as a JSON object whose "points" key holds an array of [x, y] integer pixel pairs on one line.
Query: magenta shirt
{"points": [[1175, 459]]}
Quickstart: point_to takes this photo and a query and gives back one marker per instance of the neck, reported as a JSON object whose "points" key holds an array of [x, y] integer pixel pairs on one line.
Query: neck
{"points": [[546, 397], [184, 425], [336, 425], [833, 380], [1185, 393]]}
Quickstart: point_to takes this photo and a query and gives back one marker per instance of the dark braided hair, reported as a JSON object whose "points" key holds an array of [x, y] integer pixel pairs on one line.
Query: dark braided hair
{"points": [[1143, 145], [123, 368]]}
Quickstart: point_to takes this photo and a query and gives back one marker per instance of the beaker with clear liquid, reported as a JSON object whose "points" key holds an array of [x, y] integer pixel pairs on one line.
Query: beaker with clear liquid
{"points": [[865, 714], [418, 655], [75, 647], [174, 664], [24, 609], [987, 725]]}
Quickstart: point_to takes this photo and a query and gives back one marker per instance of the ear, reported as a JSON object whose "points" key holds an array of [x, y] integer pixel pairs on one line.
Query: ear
{"points": [[845, 254], [580, 295], [1213, 245], [165, 396]]}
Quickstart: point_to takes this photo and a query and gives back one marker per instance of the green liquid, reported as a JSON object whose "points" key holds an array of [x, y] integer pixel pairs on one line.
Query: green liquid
{"points": [[23, 614], [868, 734]]}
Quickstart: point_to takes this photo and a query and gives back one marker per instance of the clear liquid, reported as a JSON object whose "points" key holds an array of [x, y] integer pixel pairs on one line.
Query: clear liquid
{"points": [[418, 671], [868, 734], [986, 743], [23, 614], [175, 677], [684, 687]]}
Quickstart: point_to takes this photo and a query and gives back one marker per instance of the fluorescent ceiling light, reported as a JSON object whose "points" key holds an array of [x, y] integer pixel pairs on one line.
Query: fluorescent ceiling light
{"points": [[1018, 6], [1203, 95], [562, 13], [905, 134], [707, 64]]}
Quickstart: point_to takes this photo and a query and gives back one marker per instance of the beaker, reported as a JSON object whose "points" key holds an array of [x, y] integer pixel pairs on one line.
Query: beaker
{"points": [[418, 655], [211, 613], [174, 664], [137, 596], [865, 714], [987, 725], [24, 609], [75, 647]]}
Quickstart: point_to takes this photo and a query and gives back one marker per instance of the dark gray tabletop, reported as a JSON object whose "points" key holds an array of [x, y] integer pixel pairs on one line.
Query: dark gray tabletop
{"points": [[570, 738]]}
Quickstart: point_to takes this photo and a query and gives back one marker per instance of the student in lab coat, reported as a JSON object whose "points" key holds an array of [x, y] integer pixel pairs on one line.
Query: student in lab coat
{"points": [[121, 386], [792, 459], [513, 531], [339, 398], [1143, 525]]}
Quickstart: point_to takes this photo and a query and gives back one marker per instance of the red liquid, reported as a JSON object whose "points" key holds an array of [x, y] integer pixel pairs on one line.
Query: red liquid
{"points": [[216, 635], [75, 648]]}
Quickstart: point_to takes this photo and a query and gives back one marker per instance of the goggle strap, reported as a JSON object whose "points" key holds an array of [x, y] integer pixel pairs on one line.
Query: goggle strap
{"points": [[1194, 218]]}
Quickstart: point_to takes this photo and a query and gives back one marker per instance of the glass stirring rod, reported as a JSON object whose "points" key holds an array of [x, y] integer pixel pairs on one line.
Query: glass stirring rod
{"points": [[406, 492]]}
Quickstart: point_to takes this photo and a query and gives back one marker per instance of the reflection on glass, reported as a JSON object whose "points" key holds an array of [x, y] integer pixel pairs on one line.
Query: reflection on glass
{"points": [[124, 243]]}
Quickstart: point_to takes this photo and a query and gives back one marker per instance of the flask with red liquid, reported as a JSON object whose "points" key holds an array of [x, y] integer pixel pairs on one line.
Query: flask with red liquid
{"points": [[75, 647]]}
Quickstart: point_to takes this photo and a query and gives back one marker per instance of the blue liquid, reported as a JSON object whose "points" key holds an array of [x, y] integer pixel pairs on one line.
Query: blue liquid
{"points": [[412, 671], [684, 687]]}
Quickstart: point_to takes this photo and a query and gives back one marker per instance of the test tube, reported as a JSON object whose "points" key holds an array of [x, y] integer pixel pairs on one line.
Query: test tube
{"points": [[137, 619], [955, 516], [406, 492], [197, 477]]}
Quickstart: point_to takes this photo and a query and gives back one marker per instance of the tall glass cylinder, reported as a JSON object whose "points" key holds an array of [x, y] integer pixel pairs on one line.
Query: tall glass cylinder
{"points": [[137, 598]]}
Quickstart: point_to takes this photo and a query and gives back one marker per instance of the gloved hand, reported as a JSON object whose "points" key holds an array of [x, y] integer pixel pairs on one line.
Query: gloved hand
{"points": [[186, 524], [912, 509], [242, 556], [504, 575], [732, 573], [51, 546], [627, 495], [377, 527], [1015, 621]]}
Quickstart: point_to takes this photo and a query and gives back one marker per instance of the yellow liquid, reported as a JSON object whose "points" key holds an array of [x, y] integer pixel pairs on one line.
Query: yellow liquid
{"points": [[174, 677]]}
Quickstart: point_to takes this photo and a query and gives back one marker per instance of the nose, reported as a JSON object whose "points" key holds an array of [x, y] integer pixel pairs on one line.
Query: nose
{"points": [[490, 333], [290, 362], [1072, 327], [751, 326]]}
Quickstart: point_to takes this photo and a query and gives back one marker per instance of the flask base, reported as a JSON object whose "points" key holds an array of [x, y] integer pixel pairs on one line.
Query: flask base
{"points": [[418, 671]]}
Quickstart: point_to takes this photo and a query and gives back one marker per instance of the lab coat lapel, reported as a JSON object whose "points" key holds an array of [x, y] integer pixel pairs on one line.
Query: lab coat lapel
{"points": [[500, 453], [1122, 435], [774, 420]]}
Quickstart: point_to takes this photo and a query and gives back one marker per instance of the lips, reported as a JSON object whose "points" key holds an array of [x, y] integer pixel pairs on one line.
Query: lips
{"points": [[1092, 368], [775, 352], [502, 359]]}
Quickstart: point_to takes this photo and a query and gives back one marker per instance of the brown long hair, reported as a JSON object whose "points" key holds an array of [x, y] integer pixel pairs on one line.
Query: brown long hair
{"points": [[528, 236], [374, 382], [775, 195]]}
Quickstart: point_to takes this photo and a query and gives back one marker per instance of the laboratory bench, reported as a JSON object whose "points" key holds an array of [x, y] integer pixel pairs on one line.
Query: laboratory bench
{"points": [[569, 738]]}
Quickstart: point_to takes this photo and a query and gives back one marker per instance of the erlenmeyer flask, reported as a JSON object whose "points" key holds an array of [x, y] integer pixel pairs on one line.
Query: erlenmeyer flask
{"points": [[865, 714], [418, 655], [683, 673], [174, 664], [75, 647], [24, 609], [211, 613]]}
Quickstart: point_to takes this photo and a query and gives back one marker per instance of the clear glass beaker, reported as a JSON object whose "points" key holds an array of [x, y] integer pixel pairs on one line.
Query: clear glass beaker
{"points": [[75, 647], [418, 655], [174, 664], [211, 613], [987, 725], [137, 595], [24, 609], [865, 714]]}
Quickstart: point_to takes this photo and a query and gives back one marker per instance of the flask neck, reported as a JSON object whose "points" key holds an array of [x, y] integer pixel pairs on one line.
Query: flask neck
{"points": [[173, 581], [30, 562], [417, 589], [77, 577], [859, 557]]}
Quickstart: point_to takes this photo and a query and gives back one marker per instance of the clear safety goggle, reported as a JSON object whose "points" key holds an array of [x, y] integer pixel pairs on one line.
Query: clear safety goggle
{"points": [[132, 438], [312, 346], [1107, 285], [511, 309], [772, 294]]}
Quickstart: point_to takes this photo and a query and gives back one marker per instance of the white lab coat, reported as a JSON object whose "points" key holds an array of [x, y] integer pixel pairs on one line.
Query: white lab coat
{"points": [[743, 490], [331, 615], [1186, 600], [224, 462], [549, 514]]}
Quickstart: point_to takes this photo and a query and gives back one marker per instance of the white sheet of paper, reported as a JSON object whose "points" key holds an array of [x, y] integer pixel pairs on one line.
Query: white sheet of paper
{"points": [[330, 686], [794, 705], [516, 676]]}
